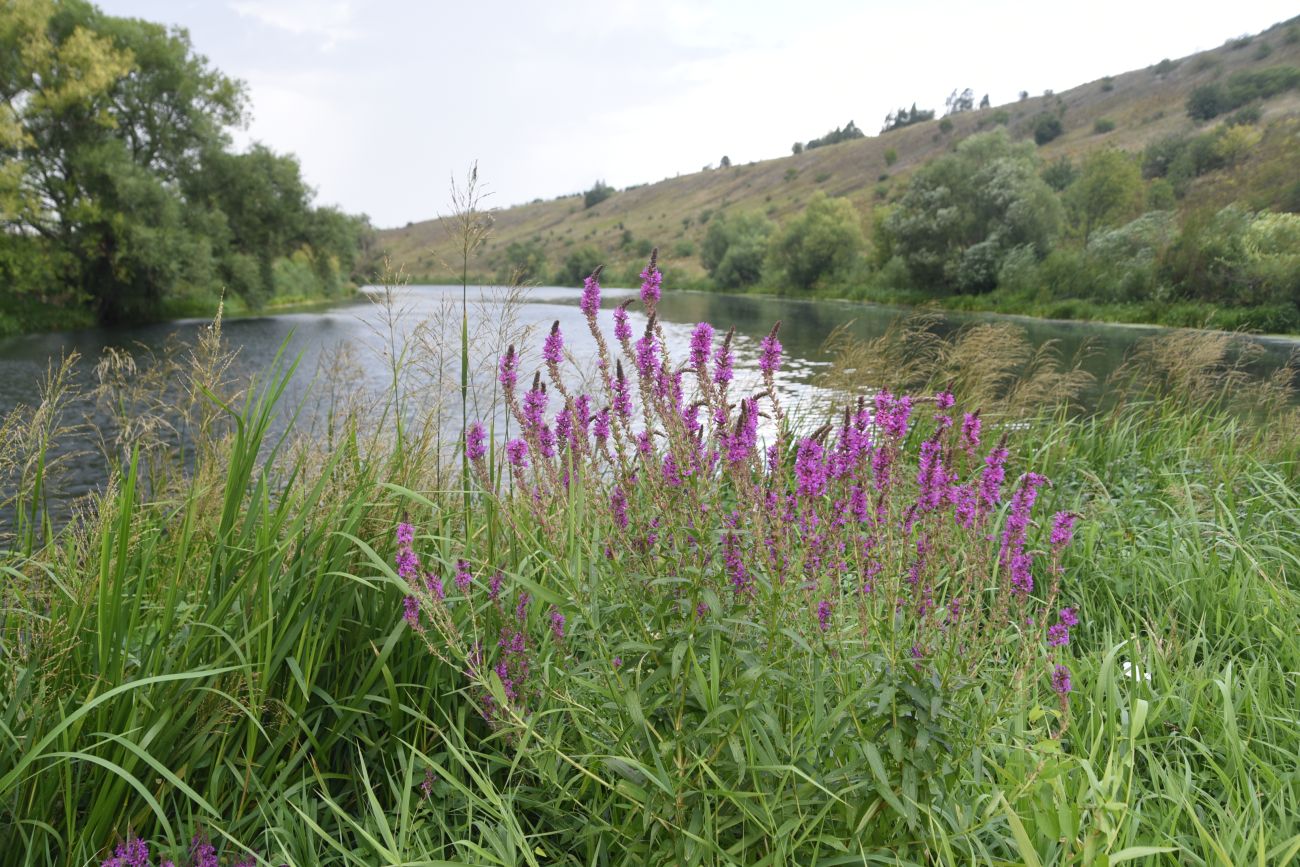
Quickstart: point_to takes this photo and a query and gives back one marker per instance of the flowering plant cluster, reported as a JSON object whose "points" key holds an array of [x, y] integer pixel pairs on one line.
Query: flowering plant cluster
{"points": [[134, 852], [895, 529]]}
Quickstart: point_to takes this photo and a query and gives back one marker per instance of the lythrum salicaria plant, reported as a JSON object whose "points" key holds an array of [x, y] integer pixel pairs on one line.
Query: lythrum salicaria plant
{"points": [[685, 580]]}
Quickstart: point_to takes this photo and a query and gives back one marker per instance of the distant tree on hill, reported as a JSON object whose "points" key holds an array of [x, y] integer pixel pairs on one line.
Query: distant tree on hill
{"points": [[959, 102], [599, 192], [984, 103], [725, 162], [796, 148], [837, 135], [577, 266], [1108, 192], [1024, 94], [906, 117]]}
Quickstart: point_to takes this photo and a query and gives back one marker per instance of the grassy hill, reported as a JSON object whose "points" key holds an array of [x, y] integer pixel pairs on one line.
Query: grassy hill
{"points": [[1128, 111]]}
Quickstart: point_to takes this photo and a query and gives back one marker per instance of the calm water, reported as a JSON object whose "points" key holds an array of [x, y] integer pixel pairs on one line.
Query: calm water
{"points": [[317, 337]]}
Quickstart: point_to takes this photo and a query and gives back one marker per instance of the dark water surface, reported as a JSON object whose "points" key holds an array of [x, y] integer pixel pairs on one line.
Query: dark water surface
{"points": [[315, 337]]}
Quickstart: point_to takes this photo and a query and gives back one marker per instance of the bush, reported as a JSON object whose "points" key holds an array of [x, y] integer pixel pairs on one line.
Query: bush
{"points": [[945, 126], [1207, 101], [822, 241], [1047, 127], [1107, 84], [735, 248], [891, 156], [1103, 125]]}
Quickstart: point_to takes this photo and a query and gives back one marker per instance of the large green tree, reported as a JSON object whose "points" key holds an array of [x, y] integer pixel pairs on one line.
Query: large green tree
{"points": [[116, 170], [734, 249], [962, 213], [820, 243]]}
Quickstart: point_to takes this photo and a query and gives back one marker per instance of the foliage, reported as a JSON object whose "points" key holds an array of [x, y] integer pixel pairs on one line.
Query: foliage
{"points": [[835, 136], [906, 117], [964, 211], [525, 261], [114, 163], [227, 646], [734, 249], [963, 101], [1108, 191], [599, 192], [1103, 125], [1242, 87], [1046, 127], [579, 262], [820, 243]]}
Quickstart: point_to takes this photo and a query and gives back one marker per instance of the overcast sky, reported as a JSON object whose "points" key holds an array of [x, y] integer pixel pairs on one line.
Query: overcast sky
{"points": [[383, 100]]}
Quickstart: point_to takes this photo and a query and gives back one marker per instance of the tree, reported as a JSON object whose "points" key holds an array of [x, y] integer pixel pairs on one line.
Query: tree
{"points": [[725, 162], [796, 148], [525, 261], [819, 243], [1108, 191], [734, 249], [906, 117], [577, 266], [964, 212], [959, 102], [599, 192], [984, 102], [835, 136]]}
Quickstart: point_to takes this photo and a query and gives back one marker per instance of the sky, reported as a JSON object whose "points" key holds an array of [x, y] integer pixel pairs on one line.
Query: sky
{"points": [[385, 101]]}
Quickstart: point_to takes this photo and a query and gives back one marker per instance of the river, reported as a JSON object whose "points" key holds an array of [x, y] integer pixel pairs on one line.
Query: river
{"points": [[361, 331]]}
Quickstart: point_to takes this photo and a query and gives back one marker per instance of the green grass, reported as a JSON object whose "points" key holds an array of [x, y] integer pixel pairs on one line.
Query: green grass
{"points": [[226, 651]]}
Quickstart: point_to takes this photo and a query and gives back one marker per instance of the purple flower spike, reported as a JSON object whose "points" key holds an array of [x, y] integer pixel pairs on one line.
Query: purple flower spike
{"points": [[508, 372], [517, 453], [475, 442], [622, 327], [769, 359], [553, 348], [701, 345], [557, 623], [464, 578], [824, 615], [651, 281], [1061, 680], [411, 610], [590, 302], [1063, 529]]}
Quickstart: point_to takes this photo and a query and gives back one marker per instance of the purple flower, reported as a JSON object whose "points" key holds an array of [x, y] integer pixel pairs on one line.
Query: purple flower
{"points": [[810, 468], [892, 413], [553, 347], [434, 585], [722, 363], [463, 576], [557, 623], [1058, 635], [735, 563], [412, 610], [970, 433], [134, 852], [408, 564], [618, 662], [508, 372], [622, 401], [931, 476], [740, 443], [1069, 616], [622, 328], [590, 302], [475, 442], [405, 534], [426, 787], [824, 614], [672, 475], [600, 426], [618, 502], [535, 401], [1061, 680], [769, 359], [1063, 529], [701, 345], [944, 399], [494, 585], [645, 354], [202, 852], [517, 453], [651, 281]]}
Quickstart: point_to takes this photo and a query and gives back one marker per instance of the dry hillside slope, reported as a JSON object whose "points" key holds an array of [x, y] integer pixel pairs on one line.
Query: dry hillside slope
{"points": [[1143, 105]]}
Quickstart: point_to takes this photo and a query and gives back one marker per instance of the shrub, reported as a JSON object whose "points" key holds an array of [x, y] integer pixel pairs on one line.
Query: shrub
{"points": [[1206, 101], [891, 156], [1103, 125], [1107, 84], [1047, 127], [945, 126], [734, 249]]}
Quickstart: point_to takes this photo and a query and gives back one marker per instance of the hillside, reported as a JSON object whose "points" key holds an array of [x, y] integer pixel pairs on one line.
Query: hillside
{"points": [[1144, 105]]}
